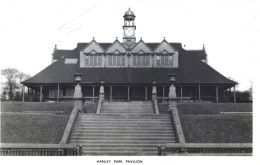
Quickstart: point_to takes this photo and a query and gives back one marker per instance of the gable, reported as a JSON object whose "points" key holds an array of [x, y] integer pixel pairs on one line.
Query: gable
{"points": [[93, 46], [116, 46], [164, 46], [141, 46]]}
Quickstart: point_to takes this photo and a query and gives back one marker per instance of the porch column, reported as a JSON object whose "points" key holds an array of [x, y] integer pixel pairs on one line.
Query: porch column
{"points": [[40, 93], [111, 93], [199, 93], [128, 93], [145, 92], [23, 92], [163, 93], [235, 99], [58, 92], [181, 94], [93, 97], [216, 94]]}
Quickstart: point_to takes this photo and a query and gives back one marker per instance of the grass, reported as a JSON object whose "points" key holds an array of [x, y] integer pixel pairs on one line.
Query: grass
{"points": [[19, 127], [217, 128], [8, 106], [203, 123], [32, 128]]}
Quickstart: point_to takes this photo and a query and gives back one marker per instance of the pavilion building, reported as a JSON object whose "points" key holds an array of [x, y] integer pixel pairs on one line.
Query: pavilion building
{"points": [[128, 69]]}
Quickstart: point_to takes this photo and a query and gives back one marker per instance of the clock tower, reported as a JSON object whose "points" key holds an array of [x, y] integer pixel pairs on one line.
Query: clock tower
{"points": [[129, 28]]}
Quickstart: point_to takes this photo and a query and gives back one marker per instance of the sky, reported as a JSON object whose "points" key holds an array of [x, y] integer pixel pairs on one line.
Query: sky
{"points": [[29, 30]]}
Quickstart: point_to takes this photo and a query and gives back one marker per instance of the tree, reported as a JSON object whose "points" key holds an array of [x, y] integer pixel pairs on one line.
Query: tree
{"points": [[10, 75]]}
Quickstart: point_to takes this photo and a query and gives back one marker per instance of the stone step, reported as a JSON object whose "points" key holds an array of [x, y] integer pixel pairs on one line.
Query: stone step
{"points": [[121, 134], [130, 149], [123, 127], [100, 124], [129, 142], [124, 139], [124, 122], [143, 116], [112, 145], [123, 131]]}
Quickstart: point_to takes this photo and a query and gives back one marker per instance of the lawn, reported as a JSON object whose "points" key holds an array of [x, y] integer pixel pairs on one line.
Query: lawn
{"points": [[32, 128], [217, 128], [203, 123], [19, 127]]}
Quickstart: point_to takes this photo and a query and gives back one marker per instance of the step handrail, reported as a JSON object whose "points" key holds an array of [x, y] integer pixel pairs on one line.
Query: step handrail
{"points": [[70, 124], [155, 106], [99, 106]]}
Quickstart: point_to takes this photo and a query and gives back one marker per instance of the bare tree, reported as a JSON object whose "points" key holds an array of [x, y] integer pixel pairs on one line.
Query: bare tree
{"points": [[10, 75]]}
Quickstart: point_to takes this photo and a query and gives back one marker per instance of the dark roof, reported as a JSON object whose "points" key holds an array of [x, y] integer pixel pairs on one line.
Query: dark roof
{"points": [[75, 53], [191, 70]]}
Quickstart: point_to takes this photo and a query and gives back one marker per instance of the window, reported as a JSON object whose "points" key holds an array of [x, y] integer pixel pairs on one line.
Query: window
{"points": [[87, 60], [116, 60], [109, 60], [158, 61], [93, 60], [164, 60], [141, 60], [99, 60]]}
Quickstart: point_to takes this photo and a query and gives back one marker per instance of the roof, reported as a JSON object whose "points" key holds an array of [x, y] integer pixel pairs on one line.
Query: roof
{"points": [[191, 70], [58, 54]]}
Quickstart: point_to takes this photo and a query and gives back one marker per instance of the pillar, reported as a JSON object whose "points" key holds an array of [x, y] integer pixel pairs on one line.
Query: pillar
{"points": [[23, 92], [199, 93], [128, 93], [154, 91], [93, 97], [111, 93], [58, 92], [181, 94], [163, 93], [101, 92], [145, 93], [40, 93], [235, 99], [216, 94]]}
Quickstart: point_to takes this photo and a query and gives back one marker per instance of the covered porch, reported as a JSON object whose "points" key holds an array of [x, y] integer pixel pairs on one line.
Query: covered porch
{"points": [[195, 92]]}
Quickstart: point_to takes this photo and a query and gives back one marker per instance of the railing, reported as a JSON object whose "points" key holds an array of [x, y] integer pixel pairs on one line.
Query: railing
{"points": [[13, 149], [155, 106], [99, 106], [223, 149], [73, 116]]}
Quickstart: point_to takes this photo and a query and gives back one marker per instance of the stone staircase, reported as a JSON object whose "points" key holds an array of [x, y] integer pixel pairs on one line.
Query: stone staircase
{"points": [[123, 128]]}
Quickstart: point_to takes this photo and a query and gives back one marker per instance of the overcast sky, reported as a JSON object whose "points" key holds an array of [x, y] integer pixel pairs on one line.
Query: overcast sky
{"points": [[29, 30]]}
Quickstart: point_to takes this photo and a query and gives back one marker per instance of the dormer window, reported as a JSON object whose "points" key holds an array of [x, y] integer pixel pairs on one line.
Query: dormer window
{"points": [[164, 60], [93, 60]]}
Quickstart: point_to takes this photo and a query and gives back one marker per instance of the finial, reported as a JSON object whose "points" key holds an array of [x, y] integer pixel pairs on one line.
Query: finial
{"points": [[141, 38], [116, 38], [163, 38], [129, 8], [93, 38]]}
